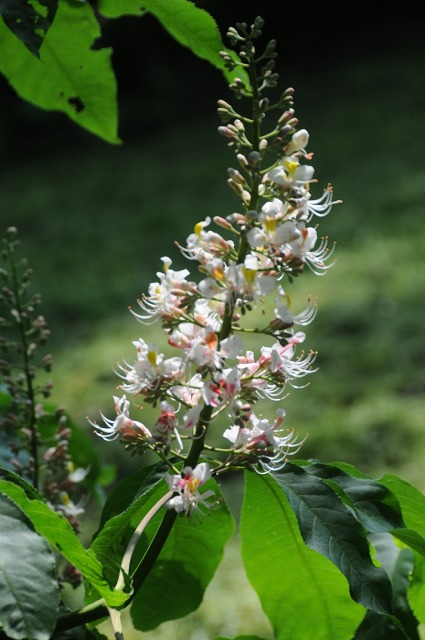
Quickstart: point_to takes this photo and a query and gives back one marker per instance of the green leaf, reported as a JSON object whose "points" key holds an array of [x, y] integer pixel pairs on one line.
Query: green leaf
{"points": [[375, 506], [59, 533], [398, 563], [412, 502], [184, 568], [70, 76], [29, 593], [410, 538], [29, 20], [302, 593], [327, 526], [131, 489], [191, 26], [417, 589], [128, 503], [241, 638]]}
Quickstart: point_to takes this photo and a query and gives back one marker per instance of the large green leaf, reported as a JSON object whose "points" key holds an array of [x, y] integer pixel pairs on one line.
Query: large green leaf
{"points": [[59, 533], [411, 500], [29, 20], [188, 24], [123, 511], [412, 503], [241, 638], [375, 506], [303, 594], [176, 584], [398, 563], [417, 589], [328, 526], [29, 593], [70, 76]]}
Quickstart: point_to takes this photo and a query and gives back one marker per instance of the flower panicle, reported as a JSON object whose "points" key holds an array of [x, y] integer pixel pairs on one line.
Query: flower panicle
{"points": [[251, 258]]}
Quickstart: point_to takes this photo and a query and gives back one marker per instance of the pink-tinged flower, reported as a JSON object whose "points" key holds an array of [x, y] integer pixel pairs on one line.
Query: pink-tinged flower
{"points": [[223, 389], [203, 245], [167, 426], [263, 442], [280, 359], [191, 417], [188, 393], [202, 345], [301, 249], [123, 426], [188, 498], [165, 296]]}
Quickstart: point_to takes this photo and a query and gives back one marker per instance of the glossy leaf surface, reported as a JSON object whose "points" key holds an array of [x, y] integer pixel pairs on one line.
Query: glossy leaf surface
{"points": [[29, 593], [59, 533], [70, 75], [300, 590], [176, 584]]}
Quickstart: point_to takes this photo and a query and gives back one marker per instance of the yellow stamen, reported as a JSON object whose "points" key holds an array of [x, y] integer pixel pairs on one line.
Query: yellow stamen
{"points": [[152, 358], [198, 228], [249, 274]]}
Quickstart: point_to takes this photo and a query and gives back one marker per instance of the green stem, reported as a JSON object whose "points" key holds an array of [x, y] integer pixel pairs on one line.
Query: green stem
{"points": [[32, 420]]}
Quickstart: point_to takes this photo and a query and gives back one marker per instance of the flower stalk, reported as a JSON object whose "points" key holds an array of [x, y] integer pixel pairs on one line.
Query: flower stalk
{"points": [[205, 318]]}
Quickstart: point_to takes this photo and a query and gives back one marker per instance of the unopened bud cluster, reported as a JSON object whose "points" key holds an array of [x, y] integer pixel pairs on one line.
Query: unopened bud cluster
{"points": [[44, 461], [208, 369]]}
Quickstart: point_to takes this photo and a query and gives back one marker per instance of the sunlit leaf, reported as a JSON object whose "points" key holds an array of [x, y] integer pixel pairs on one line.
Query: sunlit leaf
{"points": [[29, 593], [375, 506], [299, 589], [184, 568], [128, 503], [59, 533], [412, 503], [190, 25], [417, 589], [29, 20], [241, 638], [328, 526], [70, 75], [411, 500]]}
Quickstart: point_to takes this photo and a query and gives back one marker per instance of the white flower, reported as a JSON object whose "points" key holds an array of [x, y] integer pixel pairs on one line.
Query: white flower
{"points": [[203, 245], [301, 248], [306, 208], [263, 442], [186, 486], [291, 172], [149, 369], [123, 426], [299, 142], [165, 296], [283, 317]]}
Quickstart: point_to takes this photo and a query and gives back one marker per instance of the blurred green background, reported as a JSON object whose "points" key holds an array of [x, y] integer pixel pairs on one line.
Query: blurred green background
{"points": [[94, 221]]}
